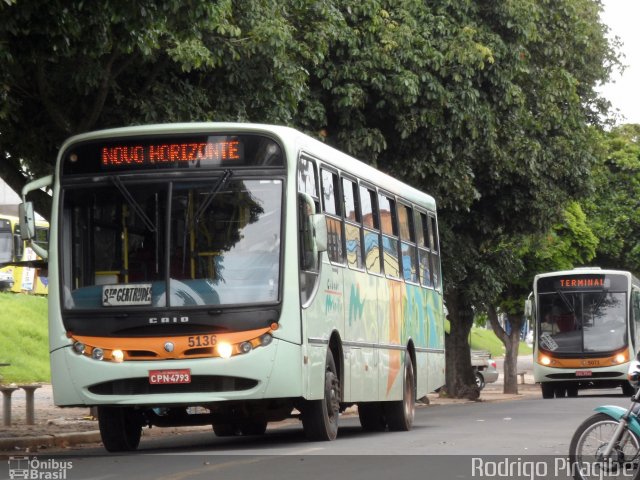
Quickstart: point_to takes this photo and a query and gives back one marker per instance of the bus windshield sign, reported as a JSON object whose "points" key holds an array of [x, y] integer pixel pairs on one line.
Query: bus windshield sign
{"points": [[573, 282], [171, 152], [141, 155]]}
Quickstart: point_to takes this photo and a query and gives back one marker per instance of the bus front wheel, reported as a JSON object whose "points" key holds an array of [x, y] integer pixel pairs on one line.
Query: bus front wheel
{"points": [[548, 390], [120, 428], [320, 417]]}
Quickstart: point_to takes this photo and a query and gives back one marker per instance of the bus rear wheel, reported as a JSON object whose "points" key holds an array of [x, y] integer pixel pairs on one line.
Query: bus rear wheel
{"points": [[120, 428], [320, 417], [400, 414]]}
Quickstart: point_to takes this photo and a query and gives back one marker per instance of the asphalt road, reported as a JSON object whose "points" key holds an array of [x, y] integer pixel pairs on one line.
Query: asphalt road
{"points": [[444, 443]]}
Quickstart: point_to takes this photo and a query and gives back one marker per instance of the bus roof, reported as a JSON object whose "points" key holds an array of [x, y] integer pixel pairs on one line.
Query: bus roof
{"points": [[294, 141]]}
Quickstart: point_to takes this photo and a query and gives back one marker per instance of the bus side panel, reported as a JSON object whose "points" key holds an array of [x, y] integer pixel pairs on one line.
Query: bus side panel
{"points": [[324, 315], [361, 331], [390, 320], [423, 320]]}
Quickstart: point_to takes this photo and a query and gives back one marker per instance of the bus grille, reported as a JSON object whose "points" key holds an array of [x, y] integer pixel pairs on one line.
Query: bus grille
{"points": [[199, 384]]}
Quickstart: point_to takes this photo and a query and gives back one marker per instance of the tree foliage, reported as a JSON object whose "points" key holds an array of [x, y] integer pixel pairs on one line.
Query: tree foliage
{"points": [[613, 208]]}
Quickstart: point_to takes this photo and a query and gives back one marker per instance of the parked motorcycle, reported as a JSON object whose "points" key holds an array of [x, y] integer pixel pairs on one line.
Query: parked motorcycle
{"points": [[607, 444]]}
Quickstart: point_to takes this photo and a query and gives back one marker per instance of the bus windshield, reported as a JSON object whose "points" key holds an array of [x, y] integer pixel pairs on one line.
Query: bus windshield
{"points": [[582, 321], [206, 243]]}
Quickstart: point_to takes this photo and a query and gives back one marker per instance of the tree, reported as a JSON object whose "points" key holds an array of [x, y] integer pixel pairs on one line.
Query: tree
{"points": [[613, 208], [567, 244], [70, 67]]}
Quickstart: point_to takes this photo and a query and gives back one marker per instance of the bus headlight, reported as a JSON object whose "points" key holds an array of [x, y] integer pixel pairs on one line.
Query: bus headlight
{"points": [[620, 358], [97, 354], [117, 356], [79, 348], [544, 360], [245, 347], [225, 350]]}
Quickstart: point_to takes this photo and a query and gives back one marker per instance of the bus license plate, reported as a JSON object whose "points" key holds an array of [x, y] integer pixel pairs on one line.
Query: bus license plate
{"points": [[161, 377], [583, 373]]}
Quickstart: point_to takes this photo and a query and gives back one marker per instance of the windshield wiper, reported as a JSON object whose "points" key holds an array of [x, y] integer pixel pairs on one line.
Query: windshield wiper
{"points": [[133, 203], [566, 302], [222, 181]]}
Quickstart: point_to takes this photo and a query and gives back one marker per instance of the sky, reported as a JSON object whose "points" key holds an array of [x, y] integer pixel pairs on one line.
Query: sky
{"points": [[622, 17]]}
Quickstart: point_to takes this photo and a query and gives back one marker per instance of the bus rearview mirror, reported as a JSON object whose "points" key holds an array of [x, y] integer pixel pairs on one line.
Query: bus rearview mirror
{"points": [[27, 221], [320, 229]]}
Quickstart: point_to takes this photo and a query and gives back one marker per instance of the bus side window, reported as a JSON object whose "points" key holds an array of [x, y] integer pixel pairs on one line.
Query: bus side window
{"points": [[332, 209], [389, 226], [308, 204], [424, 257], [371, 230], [408, 243], [435, 251], [353, 225]]}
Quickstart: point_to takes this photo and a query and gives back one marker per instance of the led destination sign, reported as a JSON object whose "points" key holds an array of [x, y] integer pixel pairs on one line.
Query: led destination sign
{"points": [[140, 155], [171, 152], [582, 282], [579, 282]]}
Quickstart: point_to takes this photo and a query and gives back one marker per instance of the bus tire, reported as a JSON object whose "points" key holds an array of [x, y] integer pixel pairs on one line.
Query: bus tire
{"points": [[372, 417], [548, 390], [253, 427], [226, 429], [400, 413], [120, 428], [320, 417], [628, 389]]}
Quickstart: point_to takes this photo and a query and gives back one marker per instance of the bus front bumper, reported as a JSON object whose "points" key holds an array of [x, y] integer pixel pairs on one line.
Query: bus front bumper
{"points": [[273, 371]]}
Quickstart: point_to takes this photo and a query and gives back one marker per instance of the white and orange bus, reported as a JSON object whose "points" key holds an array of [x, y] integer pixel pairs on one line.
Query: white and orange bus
{"points": [[587, 329]]}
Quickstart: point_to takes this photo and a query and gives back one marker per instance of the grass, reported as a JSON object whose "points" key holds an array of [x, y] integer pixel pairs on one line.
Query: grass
{"points": [[483, 339], [24, 338]]}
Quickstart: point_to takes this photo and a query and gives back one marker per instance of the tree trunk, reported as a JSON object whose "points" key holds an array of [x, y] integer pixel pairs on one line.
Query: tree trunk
{"points": [[459, 373], [511, 345]]}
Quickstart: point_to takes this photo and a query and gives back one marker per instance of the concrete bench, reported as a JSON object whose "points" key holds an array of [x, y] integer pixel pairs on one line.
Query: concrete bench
{"points": [[7, 391], [521, 375]]}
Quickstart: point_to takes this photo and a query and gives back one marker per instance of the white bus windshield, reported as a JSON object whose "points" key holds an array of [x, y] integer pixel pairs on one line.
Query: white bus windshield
{"points": [[582, 321], [206, 243]]}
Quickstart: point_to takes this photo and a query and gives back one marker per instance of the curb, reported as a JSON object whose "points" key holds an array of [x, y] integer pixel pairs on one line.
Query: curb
{"points": [[54, 440]]}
